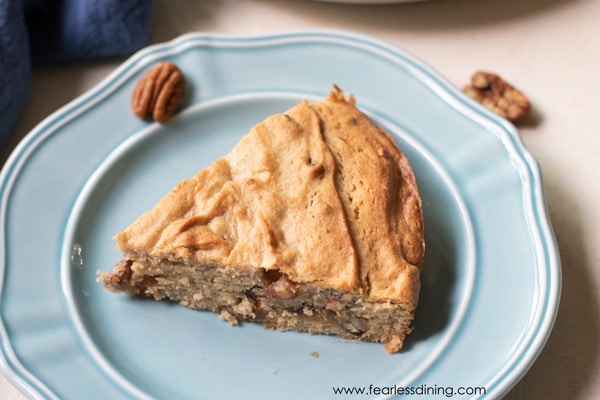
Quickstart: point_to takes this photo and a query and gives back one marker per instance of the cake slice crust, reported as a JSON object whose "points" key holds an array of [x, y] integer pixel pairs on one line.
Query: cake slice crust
{"points": [[312, 222]]}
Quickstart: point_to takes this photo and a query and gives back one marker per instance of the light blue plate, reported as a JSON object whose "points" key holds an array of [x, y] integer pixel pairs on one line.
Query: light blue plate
{"points": [[491, 278]]}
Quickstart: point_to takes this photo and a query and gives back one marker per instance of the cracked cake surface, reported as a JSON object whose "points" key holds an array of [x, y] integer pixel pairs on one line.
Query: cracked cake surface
{"points": [[312, 222]]}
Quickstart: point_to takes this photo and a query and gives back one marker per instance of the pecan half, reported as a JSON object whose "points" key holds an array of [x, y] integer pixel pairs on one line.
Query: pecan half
{"points": [[159, 92], [498, 95]]}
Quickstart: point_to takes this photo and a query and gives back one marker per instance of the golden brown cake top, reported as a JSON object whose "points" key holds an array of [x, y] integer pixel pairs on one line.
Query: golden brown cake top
{"points": [[319, 193]]}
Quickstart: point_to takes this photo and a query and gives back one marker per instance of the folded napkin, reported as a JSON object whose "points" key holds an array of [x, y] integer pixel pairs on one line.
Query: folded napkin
{"points": [[44, 31]]}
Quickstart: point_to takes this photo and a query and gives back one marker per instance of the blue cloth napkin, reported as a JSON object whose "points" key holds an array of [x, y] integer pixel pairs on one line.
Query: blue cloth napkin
{"points": [[50, 31]]}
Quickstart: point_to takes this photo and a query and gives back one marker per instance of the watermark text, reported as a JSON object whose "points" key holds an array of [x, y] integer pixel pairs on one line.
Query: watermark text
{"points": [[421, 390]]}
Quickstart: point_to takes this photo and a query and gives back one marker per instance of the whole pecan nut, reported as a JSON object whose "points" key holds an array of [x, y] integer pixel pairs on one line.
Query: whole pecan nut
{"points": [[498, 95], [159, 92]]}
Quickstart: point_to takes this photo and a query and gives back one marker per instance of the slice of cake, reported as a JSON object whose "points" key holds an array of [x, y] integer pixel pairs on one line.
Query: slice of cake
{"points": [[311, 223]]}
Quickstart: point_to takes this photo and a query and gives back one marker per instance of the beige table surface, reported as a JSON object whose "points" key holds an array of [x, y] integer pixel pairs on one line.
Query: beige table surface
{"points": [[548, 48]]}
